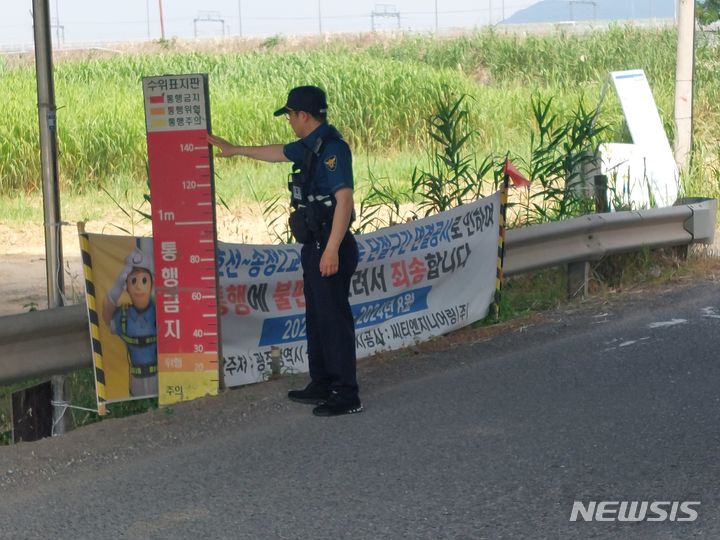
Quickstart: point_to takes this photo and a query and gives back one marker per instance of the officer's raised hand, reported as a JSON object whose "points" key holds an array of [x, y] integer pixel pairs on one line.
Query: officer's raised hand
{"points": [[268, 152], [225, 147]]}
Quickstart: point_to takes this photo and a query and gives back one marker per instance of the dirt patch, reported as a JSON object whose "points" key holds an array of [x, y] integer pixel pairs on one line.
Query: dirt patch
{"points": [[23, 283]]}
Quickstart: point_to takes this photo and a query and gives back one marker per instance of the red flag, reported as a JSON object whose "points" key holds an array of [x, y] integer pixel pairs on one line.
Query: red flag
{"points": [[517, 178]]}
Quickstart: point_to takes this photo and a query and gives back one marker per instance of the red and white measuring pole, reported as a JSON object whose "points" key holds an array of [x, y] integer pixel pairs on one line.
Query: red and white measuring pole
{"points": [[177, 113]]}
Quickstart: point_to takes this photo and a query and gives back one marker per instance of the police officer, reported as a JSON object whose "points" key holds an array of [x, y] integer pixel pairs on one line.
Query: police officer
{"points": [[329, 254]]}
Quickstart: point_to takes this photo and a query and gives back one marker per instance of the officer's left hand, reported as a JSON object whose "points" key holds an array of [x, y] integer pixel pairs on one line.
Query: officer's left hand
{"points": [[329, 262]]}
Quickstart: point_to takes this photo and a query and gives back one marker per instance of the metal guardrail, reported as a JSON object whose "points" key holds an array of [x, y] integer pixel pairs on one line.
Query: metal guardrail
{"points": [[42, 343], [593, 236]]}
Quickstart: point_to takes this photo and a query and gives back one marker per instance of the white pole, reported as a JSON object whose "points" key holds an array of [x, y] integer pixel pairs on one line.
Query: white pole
{"points": [[319, 18], [240, 17], [684, 82], [162, 21]]}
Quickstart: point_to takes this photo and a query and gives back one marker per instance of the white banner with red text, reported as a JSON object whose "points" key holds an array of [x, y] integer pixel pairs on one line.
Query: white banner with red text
{"points": [[414, 281]]}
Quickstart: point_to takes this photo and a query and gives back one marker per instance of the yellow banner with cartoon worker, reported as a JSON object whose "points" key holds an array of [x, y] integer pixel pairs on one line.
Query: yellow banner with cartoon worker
{"points": [[119, 277]]}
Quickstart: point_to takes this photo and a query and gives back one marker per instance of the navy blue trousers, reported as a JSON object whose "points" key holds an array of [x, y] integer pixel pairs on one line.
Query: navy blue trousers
{"points": [[329, 320]]}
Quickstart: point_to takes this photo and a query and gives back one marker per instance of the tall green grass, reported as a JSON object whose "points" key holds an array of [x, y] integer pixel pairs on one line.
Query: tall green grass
{"points": [[380, 97]]}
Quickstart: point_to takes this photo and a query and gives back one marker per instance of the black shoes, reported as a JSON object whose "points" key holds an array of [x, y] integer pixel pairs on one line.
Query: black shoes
{"points": [[312, 394], [337, 405], [329, 403]]}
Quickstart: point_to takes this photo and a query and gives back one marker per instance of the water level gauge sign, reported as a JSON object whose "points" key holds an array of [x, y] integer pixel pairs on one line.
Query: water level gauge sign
{"points": [[177, 115]]}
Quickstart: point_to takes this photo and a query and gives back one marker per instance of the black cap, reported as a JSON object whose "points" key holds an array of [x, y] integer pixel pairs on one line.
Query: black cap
{"points": [[310, 99]]}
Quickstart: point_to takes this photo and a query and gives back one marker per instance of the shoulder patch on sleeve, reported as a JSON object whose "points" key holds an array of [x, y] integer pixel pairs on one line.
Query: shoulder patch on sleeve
{"points": [[331, 162]]}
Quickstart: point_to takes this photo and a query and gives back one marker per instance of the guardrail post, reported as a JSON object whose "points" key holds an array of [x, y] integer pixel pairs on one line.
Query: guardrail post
{"points": [[275, 354], [59, 396], [680, 252], [601, 198], [578, 274]]}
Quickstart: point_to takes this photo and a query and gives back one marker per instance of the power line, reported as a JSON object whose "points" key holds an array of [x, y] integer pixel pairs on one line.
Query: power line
{"points": [[183, 25], [275, 18]]}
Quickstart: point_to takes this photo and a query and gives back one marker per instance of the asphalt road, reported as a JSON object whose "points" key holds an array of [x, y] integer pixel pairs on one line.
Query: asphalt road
{"points": [[495, 438]]}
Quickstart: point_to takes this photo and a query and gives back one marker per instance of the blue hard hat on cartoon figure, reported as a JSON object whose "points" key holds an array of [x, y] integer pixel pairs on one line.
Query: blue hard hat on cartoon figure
{"points": [[139, 259]]}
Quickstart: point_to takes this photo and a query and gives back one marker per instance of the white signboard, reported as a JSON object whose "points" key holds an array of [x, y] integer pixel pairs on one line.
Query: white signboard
{"points": [[627, 171], [648, 135], [414, 281]]}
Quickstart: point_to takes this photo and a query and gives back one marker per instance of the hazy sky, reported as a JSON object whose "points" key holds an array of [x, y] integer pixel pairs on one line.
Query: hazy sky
{"points": [[95, 21]]}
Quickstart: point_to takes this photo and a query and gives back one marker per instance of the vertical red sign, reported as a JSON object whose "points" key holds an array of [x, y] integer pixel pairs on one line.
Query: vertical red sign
{"points": [[177, 114]]}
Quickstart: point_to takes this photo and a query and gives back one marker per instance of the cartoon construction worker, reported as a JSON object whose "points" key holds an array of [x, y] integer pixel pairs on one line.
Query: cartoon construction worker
{"points": [[135, 323]]}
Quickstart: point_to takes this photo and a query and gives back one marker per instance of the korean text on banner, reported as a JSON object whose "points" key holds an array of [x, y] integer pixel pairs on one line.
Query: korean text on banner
{"points": [[414, 281]]}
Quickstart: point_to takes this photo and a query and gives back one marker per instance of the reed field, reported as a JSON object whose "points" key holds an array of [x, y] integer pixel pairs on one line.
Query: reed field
{"points": [[381, 91]]}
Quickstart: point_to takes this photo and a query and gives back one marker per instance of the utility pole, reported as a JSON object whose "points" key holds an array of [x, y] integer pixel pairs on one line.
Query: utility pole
{"points": [[162, 22], [147, 16], [319, 17], [684, 83], [57, 24], [436, 17], [48, 162], [240, 18]]}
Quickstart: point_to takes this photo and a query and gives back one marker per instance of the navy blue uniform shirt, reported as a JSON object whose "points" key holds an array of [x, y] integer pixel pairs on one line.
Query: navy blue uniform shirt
{"points": [[333, 169]]}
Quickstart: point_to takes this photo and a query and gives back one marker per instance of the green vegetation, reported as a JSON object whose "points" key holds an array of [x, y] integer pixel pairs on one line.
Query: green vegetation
{"points": [[381, 94], [707, 11]]}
